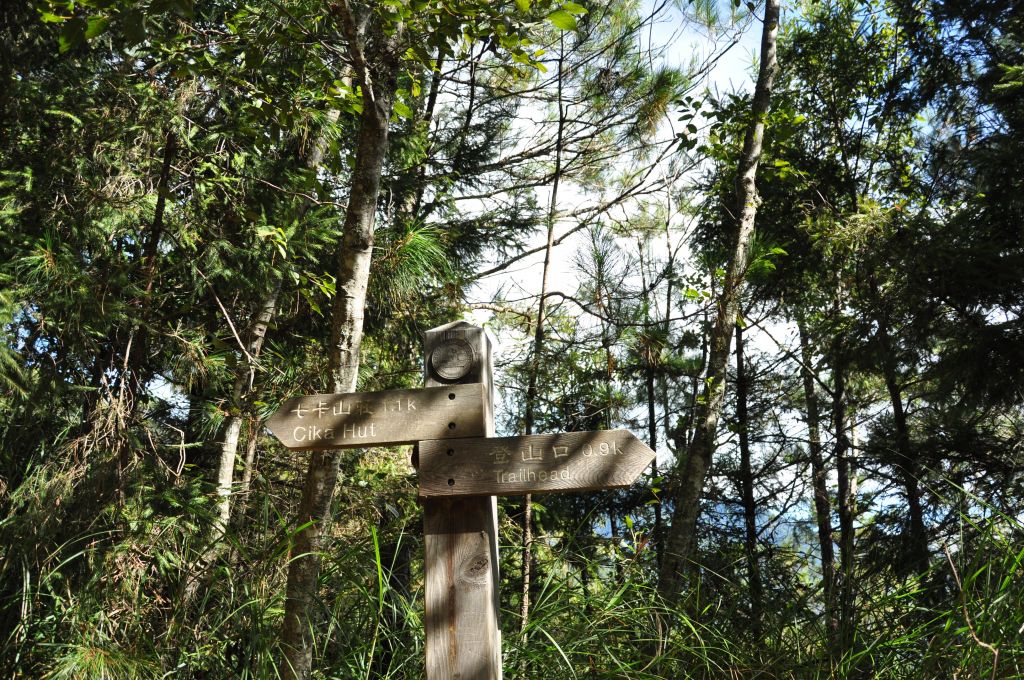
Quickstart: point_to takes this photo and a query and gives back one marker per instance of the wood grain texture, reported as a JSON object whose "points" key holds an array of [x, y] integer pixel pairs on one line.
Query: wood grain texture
{"points": [[359, 419], [460, 540], [461, 618], [509, 466]]}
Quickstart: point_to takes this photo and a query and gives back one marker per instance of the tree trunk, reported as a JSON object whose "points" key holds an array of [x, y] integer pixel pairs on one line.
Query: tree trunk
{"points": [[247, 369], [652, 415], [251, 444], [233, 423], [130, 382], [845, 495], [747, 486], [538, 345], [819, 482], [427, 118], [681, 537], [353, 269], [917, 536], [689, 429], [139, 349]]}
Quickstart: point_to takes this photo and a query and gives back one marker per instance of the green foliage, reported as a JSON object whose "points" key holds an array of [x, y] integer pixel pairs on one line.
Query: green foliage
{"points": [[167, 167]]}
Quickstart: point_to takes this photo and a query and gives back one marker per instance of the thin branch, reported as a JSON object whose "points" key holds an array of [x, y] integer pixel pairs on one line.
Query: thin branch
{"points": [[500, 309], [227, 317], [618, 322], [967, 616], [355, 48]]}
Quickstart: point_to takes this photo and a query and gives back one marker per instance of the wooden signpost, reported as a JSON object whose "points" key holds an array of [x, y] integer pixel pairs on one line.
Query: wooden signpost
{"points": [[460, 535], [462, 468]]}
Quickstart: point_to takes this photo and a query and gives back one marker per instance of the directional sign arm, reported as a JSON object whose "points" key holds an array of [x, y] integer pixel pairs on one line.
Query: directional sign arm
{"points": [[511, 466], [360, 419]]}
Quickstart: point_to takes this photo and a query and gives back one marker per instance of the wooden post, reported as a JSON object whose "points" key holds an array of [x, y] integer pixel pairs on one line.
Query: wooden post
{"points": [[460, 535]]}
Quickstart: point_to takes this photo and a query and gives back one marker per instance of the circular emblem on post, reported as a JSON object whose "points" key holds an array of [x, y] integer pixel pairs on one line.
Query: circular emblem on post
{"points": [[452, 359]]}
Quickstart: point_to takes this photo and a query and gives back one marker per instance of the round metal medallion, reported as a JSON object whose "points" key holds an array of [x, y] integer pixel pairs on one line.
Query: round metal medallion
{"points": [[452, 359]]}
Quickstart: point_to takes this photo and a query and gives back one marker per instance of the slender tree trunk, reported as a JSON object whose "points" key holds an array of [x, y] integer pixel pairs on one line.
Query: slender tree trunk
{"points": [[474, 63], [917, 536], [819, 482], [233, 425], [538, 345], [652, 441], [251, 444], [672, 434], [681, 538], [140, 347], [353, 269], [609, 368], [747, 485], [689, 430], [244, 378], [130, 382], [428, 117], [845, 493], [246, 372], [652, 415]]}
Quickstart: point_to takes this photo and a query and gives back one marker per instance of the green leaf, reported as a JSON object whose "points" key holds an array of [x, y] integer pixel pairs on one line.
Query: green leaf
{"points": [[95, 26], [574, 9], [133, 26], [523, 5], [71, 35], [562, 20], [402, 110], [64, 114]]}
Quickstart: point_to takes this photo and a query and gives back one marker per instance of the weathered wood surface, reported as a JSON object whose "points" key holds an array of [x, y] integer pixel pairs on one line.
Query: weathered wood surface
{"points": [[460, 583], [509, 466], [460, 538], [358, 419]]}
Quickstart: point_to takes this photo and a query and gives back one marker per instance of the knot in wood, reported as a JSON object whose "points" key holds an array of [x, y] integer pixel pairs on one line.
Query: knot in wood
{"points": [[476, 568]]}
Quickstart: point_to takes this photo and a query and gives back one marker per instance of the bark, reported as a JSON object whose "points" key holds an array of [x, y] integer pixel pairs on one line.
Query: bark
{"points": [[845, 495], [819, 482], [233, 426], [917, 535], [747, 486], [157, 229], [652, 417], [689, 431], [538, 344], [609, 367], [247, 369], [140, 348], [376, 73], [652, 441], [428, 117], [250, 458], [681, 537], [130, 382]]}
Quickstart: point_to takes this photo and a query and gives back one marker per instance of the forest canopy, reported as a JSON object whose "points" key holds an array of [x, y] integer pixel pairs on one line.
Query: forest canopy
{"points": [[781, 245]]}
